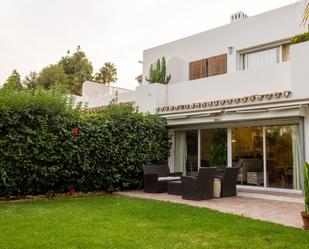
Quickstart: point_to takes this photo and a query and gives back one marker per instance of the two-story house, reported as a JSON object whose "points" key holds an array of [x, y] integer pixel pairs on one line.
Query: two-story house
{"points": [[238, 96]]}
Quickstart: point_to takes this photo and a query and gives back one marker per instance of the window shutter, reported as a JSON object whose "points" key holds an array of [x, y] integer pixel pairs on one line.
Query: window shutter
{"points": [[197, 69], [217, 65]]}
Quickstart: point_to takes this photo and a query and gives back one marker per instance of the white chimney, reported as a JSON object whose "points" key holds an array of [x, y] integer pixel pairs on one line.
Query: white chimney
{"points": [[238, 16]]}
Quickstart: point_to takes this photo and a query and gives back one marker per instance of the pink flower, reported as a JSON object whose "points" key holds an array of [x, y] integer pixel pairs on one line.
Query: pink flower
{"points": [[75, 132], [71, 191]]}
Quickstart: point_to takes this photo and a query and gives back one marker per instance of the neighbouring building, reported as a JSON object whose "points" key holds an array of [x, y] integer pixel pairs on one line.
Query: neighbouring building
{"points": [[238, 96], [97, 95]]}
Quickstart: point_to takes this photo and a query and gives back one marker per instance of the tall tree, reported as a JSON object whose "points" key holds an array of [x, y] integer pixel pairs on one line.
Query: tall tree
{"points": [[54, 76], [13, 82], [78, 69], [31, 80], [107, 74]]}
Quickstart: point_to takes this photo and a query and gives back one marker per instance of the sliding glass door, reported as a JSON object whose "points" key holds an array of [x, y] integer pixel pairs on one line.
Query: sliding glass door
{"points": [[214, 148], [267, 156], [283, 156], [247, 154]]}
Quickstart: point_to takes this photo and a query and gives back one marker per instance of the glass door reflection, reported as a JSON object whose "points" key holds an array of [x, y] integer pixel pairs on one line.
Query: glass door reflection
{"points": [[247, 154]]}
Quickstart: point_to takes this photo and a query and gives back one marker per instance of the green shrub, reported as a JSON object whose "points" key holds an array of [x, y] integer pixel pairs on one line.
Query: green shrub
{"points": [[39, 153], [300, 38], [306, 186]]}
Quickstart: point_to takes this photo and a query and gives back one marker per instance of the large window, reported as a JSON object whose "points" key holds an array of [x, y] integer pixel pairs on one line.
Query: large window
{"points": [[208, 67], [283, 156], [247, 154], [217, 65], [261, 58], [267, 156], [214, 148], [198, 69]]}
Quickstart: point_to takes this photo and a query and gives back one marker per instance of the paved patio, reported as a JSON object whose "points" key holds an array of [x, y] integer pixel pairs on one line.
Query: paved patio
{"points": [[277, 211]]}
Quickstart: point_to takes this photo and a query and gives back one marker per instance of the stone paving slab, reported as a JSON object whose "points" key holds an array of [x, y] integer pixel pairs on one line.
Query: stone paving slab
{"points": [[281, 212]]}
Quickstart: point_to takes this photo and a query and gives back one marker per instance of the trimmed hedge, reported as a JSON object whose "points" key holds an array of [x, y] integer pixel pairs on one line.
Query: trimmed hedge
{"points": [[39, 153]]}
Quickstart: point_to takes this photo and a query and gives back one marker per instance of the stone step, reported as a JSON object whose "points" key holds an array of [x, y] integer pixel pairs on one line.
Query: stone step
{"points": [[271, 195]]}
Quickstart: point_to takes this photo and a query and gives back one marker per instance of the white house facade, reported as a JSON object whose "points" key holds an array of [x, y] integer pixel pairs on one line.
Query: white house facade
{"points": [[238, 96]]}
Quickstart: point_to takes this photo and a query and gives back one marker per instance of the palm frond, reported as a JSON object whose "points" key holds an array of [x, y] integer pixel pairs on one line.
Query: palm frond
{"points": [[306, 14]]}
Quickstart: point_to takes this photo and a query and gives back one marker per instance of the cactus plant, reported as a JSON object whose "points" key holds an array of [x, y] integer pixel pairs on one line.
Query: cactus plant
{"points": [[158, 74]]}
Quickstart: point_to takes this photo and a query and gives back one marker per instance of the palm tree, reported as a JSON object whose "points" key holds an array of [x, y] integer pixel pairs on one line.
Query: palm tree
{"points": [[107, 74], [306, 14]]}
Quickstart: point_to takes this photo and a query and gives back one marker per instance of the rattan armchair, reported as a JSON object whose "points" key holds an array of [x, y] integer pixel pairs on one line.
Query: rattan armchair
{"points": [[200, 187], [228, 181]]}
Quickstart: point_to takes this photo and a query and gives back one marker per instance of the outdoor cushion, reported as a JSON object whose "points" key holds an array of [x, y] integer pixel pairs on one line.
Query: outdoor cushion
{"points": [[161, 170], [156, 178], [169, 178]]}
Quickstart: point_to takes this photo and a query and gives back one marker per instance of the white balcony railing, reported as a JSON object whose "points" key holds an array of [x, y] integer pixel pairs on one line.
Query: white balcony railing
{"points": [[270, 79]]}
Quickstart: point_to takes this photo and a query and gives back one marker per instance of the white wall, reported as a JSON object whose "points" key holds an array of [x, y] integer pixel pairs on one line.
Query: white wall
{"points": [[261, 29], [93, 90], [127, 97], [96, 94], [300, 70], [286, 76], [268, 27], [300, 83], [276, 78], [149, 97], [177, 67]]}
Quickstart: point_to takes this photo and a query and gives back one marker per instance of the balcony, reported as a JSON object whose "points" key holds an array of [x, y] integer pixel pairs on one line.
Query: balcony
{"points": [[270, 79]]}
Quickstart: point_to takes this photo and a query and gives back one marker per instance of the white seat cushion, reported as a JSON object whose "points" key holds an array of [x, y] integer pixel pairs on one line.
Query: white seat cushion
{"points": [[169, 178]]}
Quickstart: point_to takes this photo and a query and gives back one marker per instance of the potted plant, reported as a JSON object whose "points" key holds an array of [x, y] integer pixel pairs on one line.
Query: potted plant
{"points": [[218, 151], [305, 214]]}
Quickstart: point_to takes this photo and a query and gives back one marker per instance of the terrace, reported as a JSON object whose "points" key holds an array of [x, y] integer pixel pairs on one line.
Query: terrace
{"points": [[272, 207]]}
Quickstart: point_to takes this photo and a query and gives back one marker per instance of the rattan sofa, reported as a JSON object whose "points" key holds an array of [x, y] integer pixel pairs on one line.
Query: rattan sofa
{"points": [[156, 178]]}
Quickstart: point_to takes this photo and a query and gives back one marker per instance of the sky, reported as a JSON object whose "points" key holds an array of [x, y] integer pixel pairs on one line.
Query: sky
{"points": [[36, 33]]}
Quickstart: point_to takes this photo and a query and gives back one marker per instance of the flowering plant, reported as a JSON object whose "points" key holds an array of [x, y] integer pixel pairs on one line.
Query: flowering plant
{"points": [[71, 191], [75, 132]]}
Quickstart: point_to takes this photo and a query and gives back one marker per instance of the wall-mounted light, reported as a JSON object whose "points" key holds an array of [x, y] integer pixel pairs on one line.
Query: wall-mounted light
{"points": [[230, 49]]}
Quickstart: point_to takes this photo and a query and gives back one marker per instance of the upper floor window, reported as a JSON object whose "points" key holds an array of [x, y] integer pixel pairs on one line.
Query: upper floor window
{"points": [[217, 65], [197, 69], [208, 67], [262, 58]]}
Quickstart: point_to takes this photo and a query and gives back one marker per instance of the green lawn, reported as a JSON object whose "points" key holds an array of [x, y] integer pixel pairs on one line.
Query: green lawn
{"points": [[119, 222]]}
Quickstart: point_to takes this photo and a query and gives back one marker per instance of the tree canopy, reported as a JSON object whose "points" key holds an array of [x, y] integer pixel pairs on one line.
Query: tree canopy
{"points": [[67, 75], [107, 74], [13, 82], [78, 69], [30, 81], [53, 76]]}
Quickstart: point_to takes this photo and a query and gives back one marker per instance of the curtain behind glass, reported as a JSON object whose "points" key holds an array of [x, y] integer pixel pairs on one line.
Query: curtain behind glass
{"points": [[181, 152], [296, 148], [262, 58]]}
